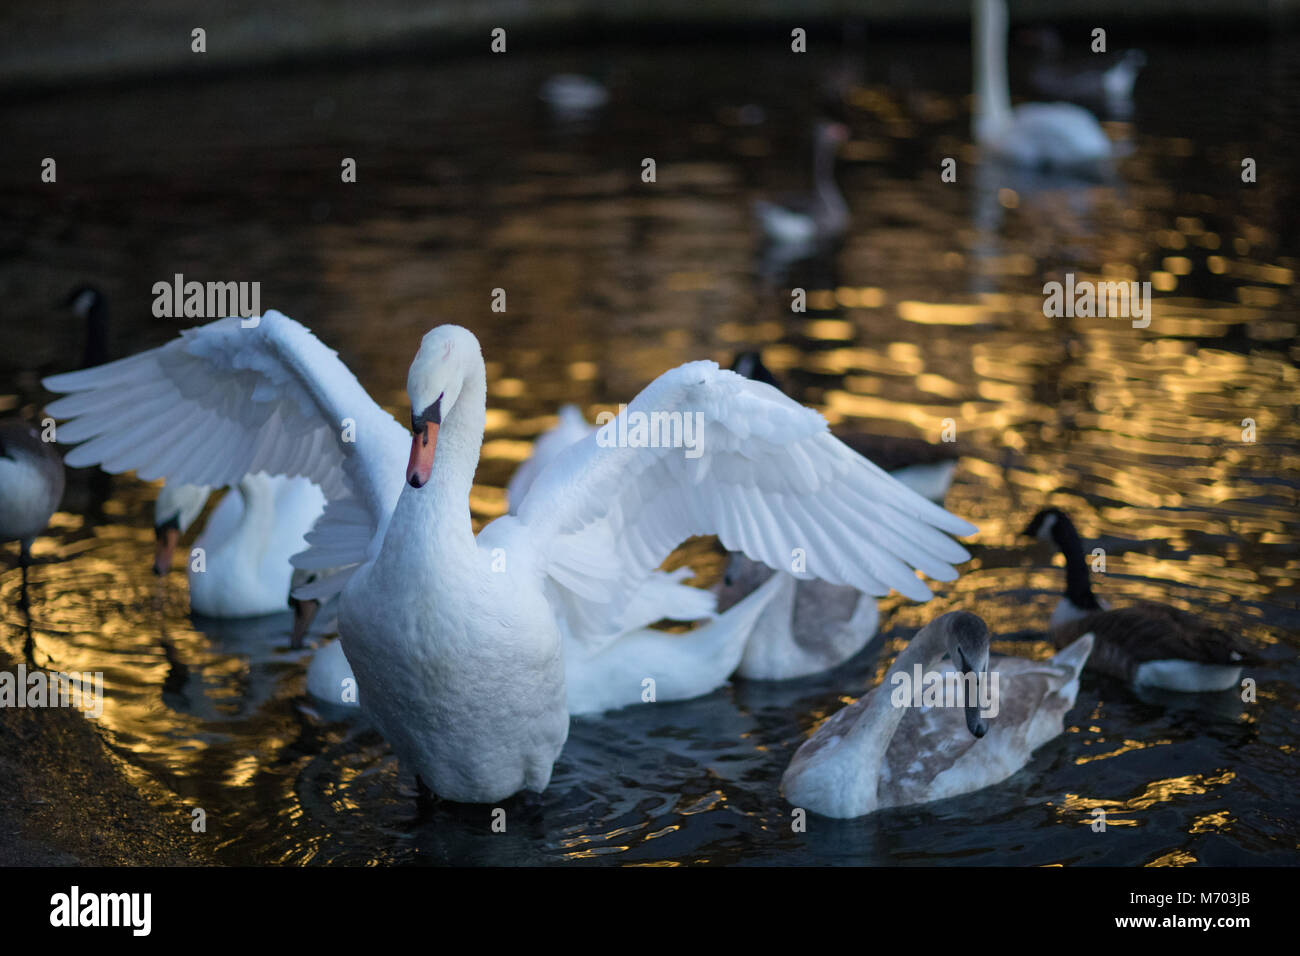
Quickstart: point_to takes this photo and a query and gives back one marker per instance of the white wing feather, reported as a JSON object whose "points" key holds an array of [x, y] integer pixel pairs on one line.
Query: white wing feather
{"points": [[770, 481], [221, 401]]}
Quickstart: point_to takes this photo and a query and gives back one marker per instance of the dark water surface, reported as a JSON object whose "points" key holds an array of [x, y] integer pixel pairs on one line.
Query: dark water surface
{"points": [[932, 310]]}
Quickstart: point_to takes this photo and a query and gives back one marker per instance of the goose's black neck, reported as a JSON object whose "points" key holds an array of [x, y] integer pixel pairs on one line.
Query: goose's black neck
{"points": [[750, 365], [96, 352], [1077, 587]]}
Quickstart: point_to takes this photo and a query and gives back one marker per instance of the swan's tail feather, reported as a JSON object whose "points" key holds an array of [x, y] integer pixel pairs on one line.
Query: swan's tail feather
{"points": [[664, 597], [1075, 656]]}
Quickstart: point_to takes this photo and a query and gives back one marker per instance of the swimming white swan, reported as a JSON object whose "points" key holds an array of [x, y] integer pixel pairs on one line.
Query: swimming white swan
{"points": [[821, 215], [244, 568], [882, 751], [1052, 135], [456, 642], [1147, 644]]}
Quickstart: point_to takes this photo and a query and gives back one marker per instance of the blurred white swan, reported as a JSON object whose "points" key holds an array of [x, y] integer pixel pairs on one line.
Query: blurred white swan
{"points": [[1051, 135]]}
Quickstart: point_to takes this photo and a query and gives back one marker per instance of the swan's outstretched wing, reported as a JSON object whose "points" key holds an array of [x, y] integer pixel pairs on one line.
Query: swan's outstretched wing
{"points": [[571, 427], [763, 473], [221, 401]]}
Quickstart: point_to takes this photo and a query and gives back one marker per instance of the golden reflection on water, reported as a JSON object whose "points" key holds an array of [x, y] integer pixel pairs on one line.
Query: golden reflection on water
{"points": [[931, 313]]}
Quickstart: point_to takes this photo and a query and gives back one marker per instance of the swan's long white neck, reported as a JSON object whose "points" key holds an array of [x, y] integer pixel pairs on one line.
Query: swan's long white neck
{"points": [[438, 513], [871, 735], [824, 188], [252, 535], [992, 95]]}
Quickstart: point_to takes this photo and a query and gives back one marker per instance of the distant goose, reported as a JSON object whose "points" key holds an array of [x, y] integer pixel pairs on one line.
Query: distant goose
{"points": [[875, 753], [31, 486], [1147, 645], [1058, 136], [819, 216], [1110, 84], [246, 544]]}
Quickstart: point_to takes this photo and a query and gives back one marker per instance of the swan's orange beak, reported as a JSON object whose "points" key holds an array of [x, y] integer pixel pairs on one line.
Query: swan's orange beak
{"points": [[423, 444], [163, 548]]}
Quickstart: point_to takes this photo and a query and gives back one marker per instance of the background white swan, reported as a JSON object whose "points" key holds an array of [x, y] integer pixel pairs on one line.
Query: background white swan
{"points": [[456, 641], [1054, 135], [247, 542], [875, 753]]}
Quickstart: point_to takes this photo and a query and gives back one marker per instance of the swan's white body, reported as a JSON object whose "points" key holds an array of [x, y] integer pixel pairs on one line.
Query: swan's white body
{"points": [[329, 678], [1052, 135], [247, 542], [457, 642], [873, 754]]}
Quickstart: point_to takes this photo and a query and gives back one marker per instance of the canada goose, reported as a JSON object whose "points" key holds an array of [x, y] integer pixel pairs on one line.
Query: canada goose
{"points": [[884, 751], [90, 305], [1147, 644], [31, 486]]}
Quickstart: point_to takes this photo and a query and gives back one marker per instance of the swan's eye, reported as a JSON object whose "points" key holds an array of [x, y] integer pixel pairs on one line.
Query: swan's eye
{"points": [[432, 414]]}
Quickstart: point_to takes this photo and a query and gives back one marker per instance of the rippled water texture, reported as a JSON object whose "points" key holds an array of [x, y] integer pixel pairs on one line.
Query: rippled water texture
{"points": [[932, 310]]}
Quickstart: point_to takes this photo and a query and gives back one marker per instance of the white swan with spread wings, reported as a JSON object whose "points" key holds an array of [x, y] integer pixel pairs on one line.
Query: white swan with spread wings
{"points": [[457, 641]]}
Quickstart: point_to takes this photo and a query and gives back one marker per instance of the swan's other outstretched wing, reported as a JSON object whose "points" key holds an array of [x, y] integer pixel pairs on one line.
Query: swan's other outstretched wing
{"points": [[761, 471], [223, 400]]}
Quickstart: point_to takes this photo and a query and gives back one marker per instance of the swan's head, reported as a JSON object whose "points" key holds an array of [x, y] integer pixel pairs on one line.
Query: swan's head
{"points": [[1044, 524], [967, 637], [173, 513], [446, 357]]}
